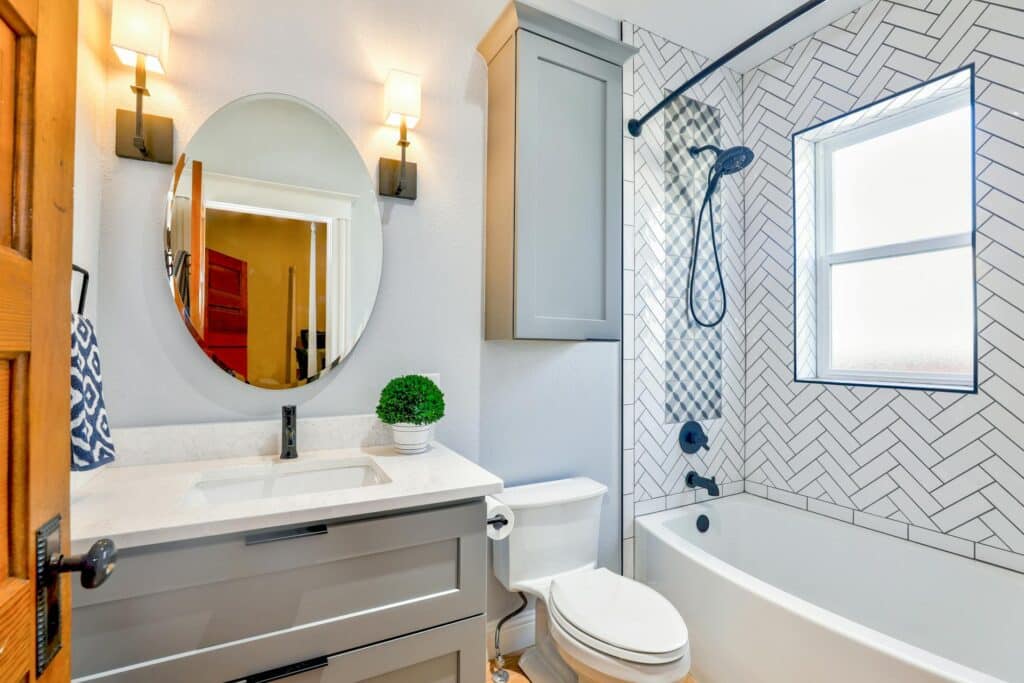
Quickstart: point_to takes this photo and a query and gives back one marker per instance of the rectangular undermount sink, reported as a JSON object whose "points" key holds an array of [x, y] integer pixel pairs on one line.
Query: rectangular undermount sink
{"points": [[280, 479]]}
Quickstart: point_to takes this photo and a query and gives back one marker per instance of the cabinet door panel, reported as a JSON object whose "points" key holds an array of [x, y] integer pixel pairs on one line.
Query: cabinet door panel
{"points": [[368, 580], [569, 193], [454, 653]]}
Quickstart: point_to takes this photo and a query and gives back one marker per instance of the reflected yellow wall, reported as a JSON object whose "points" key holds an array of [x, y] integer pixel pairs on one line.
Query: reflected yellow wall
{"points": [[270, 246]]}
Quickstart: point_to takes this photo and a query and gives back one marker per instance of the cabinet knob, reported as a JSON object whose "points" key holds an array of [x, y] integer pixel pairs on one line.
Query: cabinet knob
{"points": [[96, 564]]}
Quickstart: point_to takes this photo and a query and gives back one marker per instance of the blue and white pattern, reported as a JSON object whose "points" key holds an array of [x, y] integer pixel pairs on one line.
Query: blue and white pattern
{"points": [[693, 354], [91, 443]]}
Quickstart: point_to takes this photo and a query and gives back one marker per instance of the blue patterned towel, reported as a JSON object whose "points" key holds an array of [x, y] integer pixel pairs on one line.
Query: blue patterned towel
{"points": [[91, 445]]}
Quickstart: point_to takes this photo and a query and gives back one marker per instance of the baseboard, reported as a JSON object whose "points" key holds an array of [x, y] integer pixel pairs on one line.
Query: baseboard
{"points": [[516, 634]]}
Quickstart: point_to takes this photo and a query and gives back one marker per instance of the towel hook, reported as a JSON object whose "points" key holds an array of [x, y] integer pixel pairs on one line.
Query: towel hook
{"points": [[85, 287]]}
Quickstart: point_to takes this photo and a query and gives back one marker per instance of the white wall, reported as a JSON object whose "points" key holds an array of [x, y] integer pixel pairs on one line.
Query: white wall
{"points": [[527, 411], [90, 133]]}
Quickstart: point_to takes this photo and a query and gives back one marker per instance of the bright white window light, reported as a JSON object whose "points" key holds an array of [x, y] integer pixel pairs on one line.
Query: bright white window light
{"points": [[884, 242], [140, 27], [908, 184]]}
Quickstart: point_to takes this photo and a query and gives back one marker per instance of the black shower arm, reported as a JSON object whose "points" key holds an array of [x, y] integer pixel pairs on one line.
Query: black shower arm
{"points": [[635, 126]]}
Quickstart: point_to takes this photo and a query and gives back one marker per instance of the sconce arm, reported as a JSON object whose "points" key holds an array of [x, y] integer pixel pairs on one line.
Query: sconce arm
{"points": [[403, 142], [140, 91]]}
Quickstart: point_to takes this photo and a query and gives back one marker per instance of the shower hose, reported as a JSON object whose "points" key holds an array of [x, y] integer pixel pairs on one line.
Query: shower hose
{"points": [[694, 252]]}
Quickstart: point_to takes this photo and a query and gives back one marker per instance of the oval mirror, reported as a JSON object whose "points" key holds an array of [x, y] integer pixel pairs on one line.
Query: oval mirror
{"points": [[273, 241]]}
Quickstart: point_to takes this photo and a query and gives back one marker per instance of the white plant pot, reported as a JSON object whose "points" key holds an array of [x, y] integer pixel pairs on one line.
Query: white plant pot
{"points": [[410, 439]]}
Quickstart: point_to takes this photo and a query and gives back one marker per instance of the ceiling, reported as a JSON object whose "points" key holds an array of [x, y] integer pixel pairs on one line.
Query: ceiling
{"points": [[712, 27]]}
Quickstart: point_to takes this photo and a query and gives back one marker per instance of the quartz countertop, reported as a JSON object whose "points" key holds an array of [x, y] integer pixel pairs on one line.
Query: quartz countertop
{"points": [[149, 504]]}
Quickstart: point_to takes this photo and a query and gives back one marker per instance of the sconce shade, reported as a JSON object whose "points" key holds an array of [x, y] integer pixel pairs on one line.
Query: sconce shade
{"points": [[140, 27], [402, 94]]}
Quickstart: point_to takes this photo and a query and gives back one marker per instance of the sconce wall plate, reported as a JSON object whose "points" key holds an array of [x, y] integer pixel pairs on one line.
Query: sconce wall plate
{"points": [[158, 132], [388, 173]]}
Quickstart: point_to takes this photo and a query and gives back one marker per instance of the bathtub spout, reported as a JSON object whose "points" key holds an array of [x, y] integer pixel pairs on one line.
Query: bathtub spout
{"points": [[694, 480]]}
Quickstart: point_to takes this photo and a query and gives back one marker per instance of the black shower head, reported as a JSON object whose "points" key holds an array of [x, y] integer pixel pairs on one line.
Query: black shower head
{"points": [[727, 161]]}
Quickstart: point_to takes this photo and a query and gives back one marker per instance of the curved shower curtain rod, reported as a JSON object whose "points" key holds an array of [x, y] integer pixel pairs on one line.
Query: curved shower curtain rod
{"points": [[635, 126]]}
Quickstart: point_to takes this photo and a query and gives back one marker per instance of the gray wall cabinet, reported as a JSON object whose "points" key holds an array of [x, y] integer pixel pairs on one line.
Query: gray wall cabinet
{"points": [[554, 179], [395, 598]]}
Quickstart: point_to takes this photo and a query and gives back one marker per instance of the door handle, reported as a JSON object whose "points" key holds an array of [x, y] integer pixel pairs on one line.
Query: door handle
{"points": [[286, 671], [96, 564]]}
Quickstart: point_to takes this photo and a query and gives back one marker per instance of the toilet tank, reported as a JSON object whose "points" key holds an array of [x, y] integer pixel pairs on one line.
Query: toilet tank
{"points": [[556, 530]]}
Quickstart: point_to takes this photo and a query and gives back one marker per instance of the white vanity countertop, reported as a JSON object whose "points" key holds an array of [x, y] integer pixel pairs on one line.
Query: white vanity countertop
{"points": [[148, 504]]}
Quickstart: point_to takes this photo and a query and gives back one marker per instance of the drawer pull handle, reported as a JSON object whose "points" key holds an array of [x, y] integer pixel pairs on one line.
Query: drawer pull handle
{"points": [[285, 534], [288, 670]]}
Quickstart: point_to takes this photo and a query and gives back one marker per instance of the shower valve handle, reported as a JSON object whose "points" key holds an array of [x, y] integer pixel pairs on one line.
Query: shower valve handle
{"points": [[692, 438]]}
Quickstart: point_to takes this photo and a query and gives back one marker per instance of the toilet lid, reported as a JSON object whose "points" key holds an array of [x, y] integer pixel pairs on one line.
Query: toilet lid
{"points": [[618, 616]]}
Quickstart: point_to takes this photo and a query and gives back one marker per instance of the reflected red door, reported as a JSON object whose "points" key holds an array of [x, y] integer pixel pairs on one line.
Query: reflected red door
{"points": [[227, 311]]}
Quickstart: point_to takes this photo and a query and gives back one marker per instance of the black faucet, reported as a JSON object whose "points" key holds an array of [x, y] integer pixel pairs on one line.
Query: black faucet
{"points": [[694, 480], [289, 433]]}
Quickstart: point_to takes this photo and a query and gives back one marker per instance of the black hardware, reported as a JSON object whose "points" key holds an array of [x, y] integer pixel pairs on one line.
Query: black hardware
{"points": [[95, 565], [285, 534], [500, 674], [703, 524], [694, 480], [287, 671], [497, 521], [85, 287], [289, 433], [635, 126], [692, 438], [392, 181], [48, 626]]}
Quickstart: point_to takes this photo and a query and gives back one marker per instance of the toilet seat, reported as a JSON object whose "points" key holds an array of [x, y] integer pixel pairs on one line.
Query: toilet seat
{"points": [[618, 617]]}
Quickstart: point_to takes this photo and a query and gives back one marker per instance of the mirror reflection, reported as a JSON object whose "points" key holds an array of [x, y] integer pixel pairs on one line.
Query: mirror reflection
{"points": [[273, 241]]}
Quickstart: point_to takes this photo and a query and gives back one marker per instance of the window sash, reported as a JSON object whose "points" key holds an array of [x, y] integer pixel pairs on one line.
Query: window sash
{"points": [[826, 257], [826, 371]]}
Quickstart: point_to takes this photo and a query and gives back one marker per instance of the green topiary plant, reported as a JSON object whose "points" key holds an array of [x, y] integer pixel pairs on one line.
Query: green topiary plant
{"points": [[412, 399]]}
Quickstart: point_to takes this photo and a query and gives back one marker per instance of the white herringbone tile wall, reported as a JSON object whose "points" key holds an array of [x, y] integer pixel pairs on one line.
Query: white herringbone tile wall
{"points": [[937, 468], [653, 465]]}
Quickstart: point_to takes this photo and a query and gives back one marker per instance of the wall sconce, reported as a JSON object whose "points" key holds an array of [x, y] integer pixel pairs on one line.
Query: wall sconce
{"points": [[397, 178], [140, 35]]}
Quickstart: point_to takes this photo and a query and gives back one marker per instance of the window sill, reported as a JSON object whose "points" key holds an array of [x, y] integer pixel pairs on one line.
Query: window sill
{"points": [[958, 388]]}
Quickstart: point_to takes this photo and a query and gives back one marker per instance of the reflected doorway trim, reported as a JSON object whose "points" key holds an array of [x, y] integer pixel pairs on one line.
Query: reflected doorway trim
{"points": [[335, 211]]}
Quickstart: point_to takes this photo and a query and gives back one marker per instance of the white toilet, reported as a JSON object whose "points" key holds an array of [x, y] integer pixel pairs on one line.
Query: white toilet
{"points": [[591, 624]]}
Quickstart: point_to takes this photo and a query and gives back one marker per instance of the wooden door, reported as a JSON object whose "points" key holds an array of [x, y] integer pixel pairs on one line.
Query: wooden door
{"points": [[227, 311], [38, 41]]}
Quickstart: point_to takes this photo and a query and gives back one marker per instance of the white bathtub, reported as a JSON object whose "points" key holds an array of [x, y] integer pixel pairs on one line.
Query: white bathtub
{"points": [[773, 594]]}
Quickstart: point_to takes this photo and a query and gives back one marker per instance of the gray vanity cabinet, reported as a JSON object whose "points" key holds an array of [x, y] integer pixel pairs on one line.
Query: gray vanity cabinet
{"points": [[392, 598], [554, 179]]}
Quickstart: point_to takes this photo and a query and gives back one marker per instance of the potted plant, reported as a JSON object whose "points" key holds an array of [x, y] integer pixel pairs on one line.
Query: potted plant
{"points": [[411, 405]]}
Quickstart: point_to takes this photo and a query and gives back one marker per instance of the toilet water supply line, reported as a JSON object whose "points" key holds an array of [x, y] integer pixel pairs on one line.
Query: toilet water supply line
{"points": [[500, 675]]}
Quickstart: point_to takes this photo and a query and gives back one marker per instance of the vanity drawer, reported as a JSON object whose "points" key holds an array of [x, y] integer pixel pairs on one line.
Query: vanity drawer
{"points": [[446, 654], [373, 579]]}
